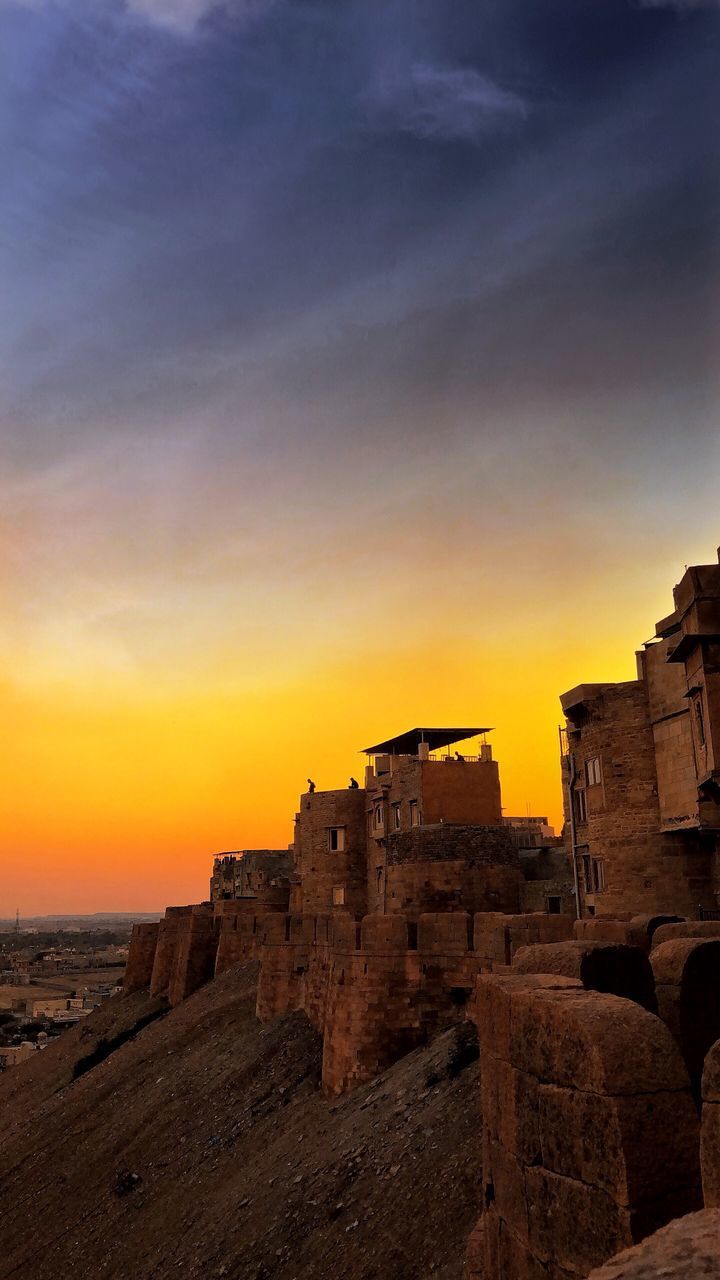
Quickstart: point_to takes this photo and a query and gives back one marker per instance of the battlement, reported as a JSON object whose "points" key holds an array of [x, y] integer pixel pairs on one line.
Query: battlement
{"points": [[599, 1040]]}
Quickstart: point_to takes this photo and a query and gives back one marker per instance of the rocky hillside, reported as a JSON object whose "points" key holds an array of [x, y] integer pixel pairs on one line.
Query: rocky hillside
{"points": [[196, 1142]]}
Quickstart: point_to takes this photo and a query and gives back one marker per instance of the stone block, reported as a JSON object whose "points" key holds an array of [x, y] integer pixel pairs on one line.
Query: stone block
{"points": [[384, 933], [686, 929], [615, 968], [510, 1108], [686, 1249], [571, 1224], [622, 1145], [687, 984]]}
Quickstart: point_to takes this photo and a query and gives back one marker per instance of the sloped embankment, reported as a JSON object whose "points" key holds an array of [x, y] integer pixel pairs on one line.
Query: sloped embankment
{"points": [[200, 1145]]}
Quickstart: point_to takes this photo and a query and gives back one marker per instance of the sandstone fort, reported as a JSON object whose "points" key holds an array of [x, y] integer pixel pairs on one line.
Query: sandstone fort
{"points": [[582, 968]]}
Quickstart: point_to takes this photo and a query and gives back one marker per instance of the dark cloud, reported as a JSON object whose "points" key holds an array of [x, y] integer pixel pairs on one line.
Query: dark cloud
{"points": [[259, 222]]}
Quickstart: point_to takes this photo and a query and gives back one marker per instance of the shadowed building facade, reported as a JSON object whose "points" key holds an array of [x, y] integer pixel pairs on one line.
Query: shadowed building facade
{"points": [[641, 767]]}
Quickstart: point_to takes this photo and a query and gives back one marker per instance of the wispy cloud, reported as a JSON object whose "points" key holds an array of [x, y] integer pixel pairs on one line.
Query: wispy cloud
{"points": [[181, 16], [680, 5], [444, 103]]}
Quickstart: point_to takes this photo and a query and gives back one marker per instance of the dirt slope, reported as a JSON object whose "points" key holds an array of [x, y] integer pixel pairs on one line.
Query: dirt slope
{"points": [[201, 1146]]}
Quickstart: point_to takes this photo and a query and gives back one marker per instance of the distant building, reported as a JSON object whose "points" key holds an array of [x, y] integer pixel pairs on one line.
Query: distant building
{"points": [[530, 832], [250, 873], [14, 1054], [641, 768]]}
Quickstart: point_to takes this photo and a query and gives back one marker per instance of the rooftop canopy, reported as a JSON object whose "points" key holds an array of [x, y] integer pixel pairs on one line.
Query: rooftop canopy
{"points": [[406, 744]]}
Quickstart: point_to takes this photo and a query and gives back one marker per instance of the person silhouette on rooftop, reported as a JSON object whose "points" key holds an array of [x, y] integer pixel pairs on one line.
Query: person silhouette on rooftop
{"points": [[311, 785], [459, 757], [354, 784]]}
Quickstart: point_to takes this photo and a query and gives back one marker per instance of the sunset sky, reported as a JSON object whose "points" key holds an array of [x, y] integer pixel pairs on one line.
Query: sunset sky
{"points": [[359, 371]]}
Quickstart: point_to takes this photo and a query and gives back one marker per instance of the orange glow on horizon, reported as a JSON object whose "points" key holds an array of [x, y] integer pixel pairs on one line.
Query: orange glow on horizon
{"points": [[116, 796]]}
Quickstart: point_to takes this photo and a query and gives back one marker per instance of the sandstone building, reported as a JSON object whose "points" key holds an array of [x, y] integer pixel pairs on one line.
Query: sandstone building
{"points": [[425, 833], [641, 768], [416, 905], [249, 873]]}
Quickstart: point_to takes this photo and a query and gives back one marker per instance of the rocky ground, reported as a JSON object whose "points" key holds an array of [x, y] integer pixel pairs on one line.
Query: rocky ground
{"points": [[149, 1144]]}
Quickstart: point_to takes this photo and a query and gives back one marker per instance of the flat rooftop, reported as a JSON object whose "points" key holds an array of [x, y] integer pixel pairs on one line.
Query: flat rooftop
{"points": [[407, 744]]}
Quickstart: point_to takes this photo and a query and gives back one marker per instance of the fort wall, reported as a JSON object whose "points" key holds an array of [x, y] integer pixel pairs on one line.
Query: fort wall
{"points": [[166, 949], [591, 1133], [141, 957], [196, 943]]}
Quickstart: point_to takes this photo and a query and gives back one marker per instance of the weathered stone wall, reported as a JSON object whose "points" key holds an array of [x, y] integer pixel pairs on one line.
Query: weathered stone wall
{"points": [[536, 895], [240, 924], [672, 734], [374, 1012], [497, 936], [414, 888], [451, 868], [165, 951], [321, 869], [636, 931], [590, 1133], [461, 792], [644, 867], [195, 953], [141, 957], [478, 846], [686, 929], [449, 791], [378, 988], [614, 968]]}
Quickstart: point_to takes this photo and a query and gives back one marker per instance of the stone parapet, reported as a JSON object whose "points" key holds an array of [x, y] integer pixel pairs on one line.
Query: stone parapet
{"points": [[614, 968], [687, 985], [590, 1134]]}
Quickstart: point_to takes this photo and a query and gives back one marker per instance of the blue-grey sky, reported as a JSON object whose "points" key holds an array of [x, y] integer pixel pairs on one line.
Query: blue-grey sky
{"points": [[348, 335]]}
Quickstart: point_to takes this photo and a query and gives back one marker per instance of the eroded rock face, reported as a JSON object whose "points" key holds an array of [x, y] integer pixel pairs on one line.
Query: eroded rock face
{"points": [[686, 1249]]}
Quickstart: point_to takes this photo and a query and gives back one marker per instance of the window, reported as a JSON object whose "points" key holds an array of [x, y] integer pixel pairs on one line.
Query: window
{"points": [[592, 772], [336, 838], [396, 816], [580, 807], [587, 872], [699, 720], [553, 906], [414, 814], [378, 817], [338, 895], [594, 874]]}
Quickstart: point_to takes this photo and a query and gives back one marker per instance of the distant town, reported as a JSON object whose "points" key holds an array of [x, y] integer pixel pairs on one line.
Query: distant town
{"points": [[54, 970]]}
